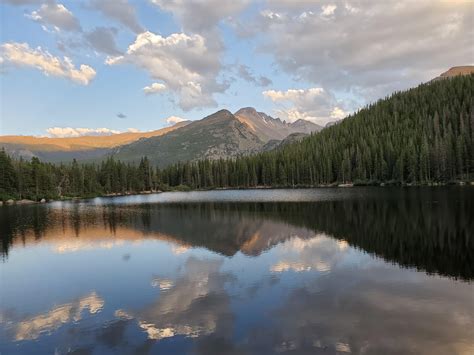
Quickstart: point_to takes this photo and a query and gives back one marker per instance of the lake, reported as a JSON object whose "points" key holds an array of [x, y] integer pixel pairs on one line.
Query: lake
{"points": [[310, 271]]}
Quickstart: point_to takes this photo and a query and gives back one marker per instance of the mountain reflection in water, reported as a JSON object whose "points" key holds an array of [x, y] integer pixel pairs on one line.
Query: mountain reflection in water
{"points": [[390, 272]]}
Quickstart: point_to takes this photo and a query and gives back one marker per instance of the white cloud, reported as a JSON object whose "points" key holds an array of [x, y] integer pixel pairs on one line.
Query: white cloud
{"points": [[154, 88], [20, 54], [56, 15], [119, 10], [198, 16], [185, 64], [294, 94], [172, 120], [273, 16], [368, 49], [313, 104], [351, 8], [337, 113], [328, 10], [65, 132], [199, 20]]}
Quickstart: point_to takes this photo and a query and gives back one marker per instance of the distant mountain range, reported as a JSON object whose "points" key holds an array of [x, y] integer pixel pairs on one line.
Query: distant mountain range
{"points": [[219, 135], [80, 148]]}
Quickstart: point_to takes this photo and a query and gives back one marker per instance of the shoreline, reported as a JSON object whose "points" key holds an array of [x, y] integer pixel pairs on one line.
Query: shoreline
{"points": [[12, 202]]}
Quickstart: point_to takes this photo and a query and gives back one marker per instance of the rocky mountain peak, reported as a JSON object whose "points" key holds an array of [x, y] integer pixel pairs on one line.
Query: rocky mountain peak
{"points": [[246, 110]]}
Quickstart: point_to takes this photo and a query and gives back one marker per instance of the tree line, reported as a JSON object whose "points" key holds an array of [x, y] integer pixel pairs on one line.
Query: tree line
{"points": [[35, 180], [420, 136]]}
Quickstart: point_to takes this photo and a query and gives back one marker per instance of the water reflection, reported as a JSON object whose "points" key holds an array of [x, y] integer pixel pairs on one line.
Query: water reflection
{"points": [[195, 305], [431, 231], [31, 328], [240, 278]]}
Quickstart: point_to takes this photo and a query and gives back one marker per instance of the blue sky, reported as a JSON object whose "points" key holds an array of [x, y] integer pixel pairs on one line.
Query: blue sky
{"points": [[316, 60]]}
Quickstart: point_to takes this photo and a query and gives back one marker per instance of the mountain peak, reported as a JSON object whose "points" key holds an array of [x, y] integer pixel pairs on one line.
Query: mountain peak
{"points": [[455, 71], [246, 110], [268, 128], [305, 125], [459, 70], [299, 121], [221, 114]]}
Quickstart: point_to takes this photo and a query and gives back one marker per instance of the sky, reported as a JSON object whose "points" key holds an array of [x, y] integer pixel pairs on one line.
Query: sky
{"points": [[77, 67]]}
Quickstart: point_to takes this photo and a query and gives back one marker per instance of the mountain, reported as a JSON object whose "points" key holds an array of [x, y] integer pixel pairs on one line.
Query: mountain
{"points": [[268, 128], [80, 148], [220, 135], [455, 71], [332, 123], [424, 135], [292, 138]]}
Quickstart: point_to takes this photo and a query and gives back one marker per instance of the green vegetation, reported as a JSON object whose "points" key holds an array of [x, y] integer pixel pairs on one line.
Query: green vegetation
{"points": [[424, 135], [421, 136], [218, 135], [21, 179]]}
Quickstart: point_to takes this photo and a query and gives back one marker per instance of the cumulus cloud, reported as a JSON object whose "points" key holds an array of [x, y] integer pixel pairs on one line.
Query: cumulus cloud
{"points": [[184, 63], [21, 55], [172, 120], [102, 39], [154, 88], [64, 132], [313, 104], [367, 48], [197, 16], [245, 73], [56, 15], [119, 10], [328, 10], [199, 21]]}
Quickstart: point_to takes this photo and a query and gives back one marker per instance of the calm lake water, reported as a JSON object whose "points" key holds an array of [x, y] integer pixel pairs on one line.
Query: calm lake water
{"points": [[316, 271]]}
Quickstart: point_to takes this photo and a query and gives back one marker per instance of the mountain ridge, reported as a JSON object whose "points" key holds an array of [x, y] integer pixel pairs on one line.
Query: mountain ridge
{"points": [[219, 135], [269, 128], [456, 71], [81, 148]]}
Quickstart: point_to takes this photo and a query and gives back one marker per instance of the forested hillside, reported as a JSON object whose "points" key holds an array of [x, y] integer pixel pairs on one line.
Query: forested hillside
{"points": [[421, 136]]}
